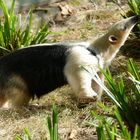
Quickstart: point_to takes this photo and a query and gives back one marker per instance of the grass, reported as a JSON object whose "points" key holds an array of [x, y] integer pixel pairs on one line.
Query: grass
{"points": [[134, 10], [15, 34], [129, 103], [53, 124], [134, 6], [121, 122], [25, 137], [112, 128]]}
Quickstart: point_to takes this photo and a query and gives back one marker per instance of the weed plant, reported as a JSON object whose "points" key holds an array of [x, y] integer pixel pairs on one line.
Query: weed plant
{"points": [[14, 33]]}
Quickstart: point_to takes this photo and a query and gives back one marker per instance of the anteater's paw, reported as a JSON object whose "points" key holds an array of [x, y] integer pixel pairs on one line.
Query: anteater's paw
{"points": [[83, 102]]}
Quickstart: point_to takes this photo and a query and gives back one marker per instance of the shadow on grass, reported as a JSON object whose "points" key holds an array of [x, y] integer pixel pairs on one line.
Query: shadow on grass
{"points": [[24, 112], [132, 49]]}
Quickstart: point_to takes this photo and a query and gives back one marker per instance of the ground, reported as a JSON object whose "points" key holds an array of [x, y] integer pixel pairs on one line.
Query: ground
{"points": [[87, 23]]}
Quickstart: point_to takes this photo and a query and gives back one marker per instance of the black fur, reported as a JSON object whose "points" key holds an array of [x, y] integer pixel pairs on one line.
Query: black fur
{"points": [[40, 67], [92, 51]]}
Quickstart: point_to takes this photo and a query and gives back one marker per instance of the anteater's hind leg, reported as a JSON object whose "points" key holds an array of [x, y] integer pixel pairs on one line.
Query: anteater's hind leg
{"points": [[2, 100], [14, 93], [14, 98]]}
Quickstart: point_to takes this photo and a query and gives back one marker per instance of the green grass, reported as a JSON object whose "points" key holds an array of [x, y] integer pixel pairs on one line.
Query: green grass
{"points": [[122, 122], [14, 33], [113, 127], [52, 123], [134, 6], [129, 102], [25, 137], [134, 9]]}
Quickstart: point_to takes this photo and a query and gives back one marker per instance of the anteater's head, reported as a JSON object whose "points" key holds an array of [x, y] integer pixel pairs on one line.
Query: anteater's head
{"points": [[109, 44], [119, 32]]}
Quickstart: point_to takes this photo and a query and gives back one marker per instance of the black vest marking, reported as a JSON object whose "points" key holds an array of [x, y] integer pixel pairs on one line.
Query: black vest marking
{"points": [[92, 51]]}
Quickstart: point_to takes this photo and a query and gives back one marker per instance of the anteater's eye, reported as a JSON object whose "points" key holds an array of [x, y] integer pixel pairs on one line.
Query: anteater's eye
{"points": [[113, 38]]}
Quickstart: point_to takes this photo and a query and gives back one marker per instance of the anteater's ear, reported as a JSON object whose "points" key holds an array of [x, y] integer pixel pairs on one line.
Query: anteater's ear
{"points": [[112, 39]]}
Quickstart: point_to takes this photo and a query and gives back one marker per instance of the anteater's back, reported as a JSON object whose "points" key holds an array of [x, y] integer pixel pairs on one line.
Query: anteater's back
{"points": [[41, 68]]}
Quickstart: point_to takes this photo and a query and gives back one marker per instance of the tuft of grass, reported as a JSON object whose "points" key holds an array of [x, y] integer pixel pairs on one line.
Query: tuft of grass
{"points": [[26, 135], [127, 103], [53, 125], [134, 6], [15, 34], [116, 128], [134, 9]]}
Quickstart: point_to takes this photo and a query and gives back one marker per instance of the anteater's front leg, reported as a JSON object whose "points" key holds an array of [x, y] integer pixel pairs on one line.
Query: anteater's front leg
{"points": [[97, 88], [81, 83]]}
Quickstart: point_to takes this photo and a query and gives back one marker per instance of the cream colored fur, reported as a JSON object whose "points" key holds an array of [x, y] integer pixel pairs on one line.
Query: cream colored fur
{"points": [[78, 78]]}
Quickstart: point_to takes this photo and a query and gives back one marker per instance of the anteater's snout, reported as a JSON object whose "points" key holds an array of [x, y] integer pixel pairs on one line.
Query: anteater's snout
{"points": [[135, 19]]}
